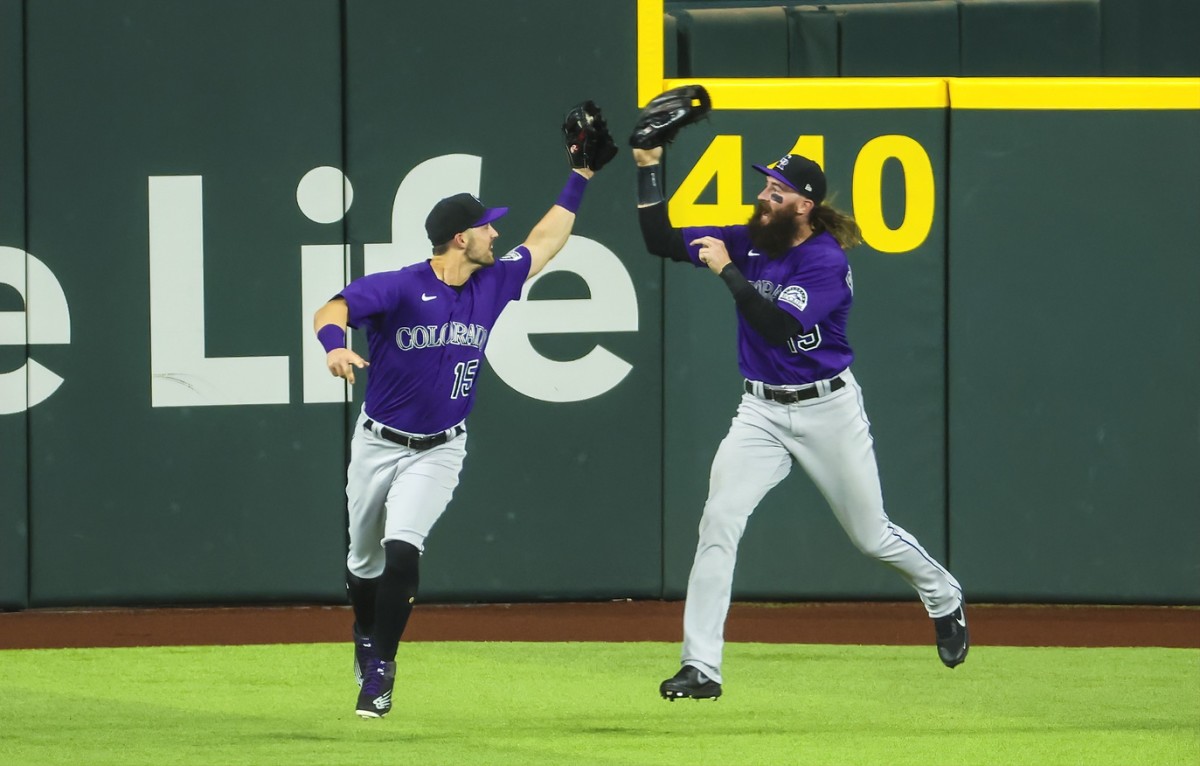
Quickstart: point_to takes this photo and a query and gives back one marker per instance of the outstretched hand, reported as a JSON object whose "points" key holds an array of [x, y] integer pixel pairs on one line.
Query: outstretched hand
{"points": [[342, 361]]}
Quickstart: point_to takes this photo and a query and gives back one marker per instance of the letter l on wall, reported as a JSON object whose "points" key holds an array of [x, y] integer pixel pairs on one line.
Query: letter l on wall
{"points": [[180, 374]]}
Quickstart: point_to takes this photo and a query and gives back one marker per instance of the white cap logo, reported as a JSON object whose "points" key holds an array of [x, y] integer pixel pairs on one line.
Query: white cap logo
{"points": [[782, 162]]}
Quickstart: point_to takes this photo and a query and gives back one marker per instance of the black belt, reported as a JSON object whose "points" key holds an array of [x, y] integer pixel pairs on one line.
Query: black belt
{"points": [[791, 396], [419, 443]]}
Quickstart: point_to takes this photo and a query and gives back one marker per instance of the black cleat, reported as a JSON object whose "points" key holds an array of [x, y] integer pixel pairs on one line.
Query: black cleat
{"points": [[375, 699], [952, 639], [689, 682]]}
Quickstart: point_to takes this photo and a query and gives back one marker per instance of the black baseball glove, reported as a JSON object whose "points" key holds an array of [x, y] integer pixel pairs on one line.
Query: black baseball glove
{"points": [[589, 144], [661, 119]]}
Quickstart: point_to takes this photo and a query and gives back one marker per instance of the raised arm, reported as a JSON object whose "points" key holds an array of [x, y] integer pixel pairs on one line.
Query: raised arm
{"points": [[551, 233], [589, 147], [660, 238]]}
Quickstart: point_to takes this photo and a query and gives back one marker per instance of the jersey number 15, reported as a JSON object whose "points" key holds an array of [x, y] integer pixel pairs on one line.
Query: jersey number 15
{"points": [[805, 342], [464, 378]]}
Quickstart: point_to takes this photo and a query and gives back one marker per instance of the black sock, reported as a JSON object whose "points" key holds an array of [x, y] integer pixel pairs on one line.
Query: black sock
{"points": [[363, 595], [397, 592]]}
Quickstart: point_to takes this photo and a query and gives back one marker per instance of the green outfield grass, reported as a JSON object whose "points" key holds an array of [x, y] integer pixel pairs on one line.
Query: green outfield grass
{"points": [[594, 704]]}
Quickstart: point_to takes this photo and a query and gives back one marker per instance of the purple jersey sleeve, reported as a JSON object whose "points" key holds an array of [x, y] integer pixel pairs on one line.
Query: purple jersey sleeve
{"points": [[509, 274], [817, 289], [370, 297], [737, 242]]}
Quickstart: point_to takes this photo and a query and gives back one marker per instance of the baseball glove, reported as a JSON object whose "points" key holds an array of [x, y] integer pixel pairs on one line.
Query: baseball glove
{"points": [[589, 144], [662, 118]]}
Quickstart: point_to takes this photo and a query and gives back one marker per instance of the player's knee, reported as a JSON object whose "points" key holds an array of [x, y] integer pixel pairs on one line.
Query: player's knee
{"points": [[873, 545], [365, 568], [401, 558], [355, 581], [721, 529]]}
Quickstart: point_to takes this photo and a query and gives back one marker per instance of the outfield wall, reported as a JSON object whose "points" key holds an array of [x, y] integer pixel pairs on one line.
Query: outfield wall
{"points": [[182, 184]]}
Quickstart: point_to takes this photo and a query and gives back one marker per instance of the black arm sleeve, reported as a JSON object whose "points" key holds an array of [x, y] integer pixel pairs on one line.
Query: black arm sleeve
{"points": [[764, 315], [660, 238]]}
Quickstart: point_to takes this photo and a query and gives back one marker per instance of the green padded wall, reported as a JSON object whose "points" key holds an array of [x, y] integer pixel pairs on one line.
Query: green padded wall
{"points": [[1150, 38], [917, 38], [1030, 38], [14, 506], [793, 546], [558, 499], [812, 42], [670, 46], [677, 5], [1075, 372], [734, 42], [899, 39], [195, 499], [185, 213]]}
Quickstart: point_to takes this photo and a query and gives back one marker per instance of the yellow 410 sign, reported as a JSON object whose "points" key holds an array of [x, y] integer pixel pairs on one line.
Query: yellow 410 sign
{"points": [[723, 161]]}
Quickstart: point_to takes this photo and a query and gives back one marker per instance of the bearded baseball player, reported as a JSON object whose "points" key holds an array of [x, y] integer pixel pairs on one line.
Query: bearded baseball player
{"points": [[427, 326], [791, 284]]}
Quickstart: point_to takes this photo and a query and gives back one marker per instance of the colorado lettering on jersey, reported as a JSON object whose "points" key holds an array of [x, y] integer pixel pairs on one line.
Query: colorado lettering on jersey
{"points": [[766, 288], [448, 334]]}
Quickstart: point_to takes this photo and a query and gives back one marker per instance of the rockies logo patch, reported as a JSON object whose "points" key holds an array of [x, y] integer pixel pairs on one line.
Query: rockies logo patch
{"points": [[796, 296]]}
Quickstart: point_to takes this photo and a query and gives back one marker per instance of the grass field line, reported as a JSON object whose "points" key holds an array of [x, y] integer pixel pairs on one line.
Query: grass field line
{"points": [[595, 703]]}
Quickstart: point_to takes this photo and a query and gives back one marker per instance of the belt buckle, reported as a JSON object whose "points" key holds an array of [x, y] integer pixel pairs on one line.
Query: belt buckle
{"points": [[793, 395], [422, 443], [778, 395]]}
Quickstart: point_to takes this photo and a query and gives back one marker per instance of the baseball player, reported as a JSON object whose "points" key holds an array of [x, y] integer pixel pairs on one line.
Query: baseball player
{"points": [[792, 286], [427, 326]]}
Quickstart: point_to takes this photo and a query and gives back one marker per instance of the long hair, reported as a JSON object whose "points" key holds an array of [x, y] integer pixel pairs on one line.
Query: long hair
{"points": [[842, 226]]}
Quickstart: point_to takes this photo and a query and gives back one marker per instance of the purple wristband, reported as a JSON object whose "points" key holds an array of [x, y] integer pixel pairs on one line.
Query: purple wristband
{"points": [[572, 193], [331, 337]]}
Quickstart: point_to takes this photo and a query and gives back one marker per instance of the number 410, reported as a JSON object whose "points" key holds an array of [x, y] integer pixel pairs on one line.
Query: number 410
{"points": [[723, 160]]}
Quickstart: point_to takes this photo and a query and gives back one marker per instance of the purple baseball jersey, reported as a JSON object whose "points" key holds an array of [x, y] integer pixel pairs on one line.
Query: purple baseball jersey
{"points": [[812, 282], [426, 339]]}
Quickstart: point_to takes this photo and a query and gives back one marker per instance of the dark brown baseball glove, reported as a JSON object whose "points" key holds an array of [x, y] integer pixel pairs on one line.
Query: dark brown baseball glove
{"points": [[661, 119], [589, 144]]}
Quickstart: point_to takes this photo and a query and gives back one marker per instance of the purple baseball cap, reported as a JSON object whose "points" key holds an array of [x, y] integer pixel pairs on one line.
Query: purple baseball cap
{"points": [[458, 213], [798, 173]]}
